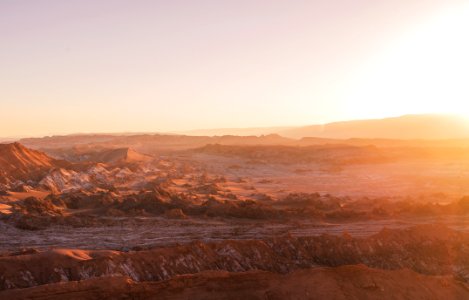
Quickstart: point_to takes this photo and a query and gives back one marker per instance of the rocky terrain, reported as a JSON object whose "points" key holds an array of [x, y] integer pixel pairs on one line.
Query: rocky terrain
{"points": [[255, 217], [423, 254]]}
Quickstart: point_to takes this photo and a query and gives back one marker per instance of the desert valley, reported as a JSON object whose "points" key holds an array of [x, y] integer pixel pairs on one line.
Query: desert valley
{"points": [[248, 149], [208, 217]]}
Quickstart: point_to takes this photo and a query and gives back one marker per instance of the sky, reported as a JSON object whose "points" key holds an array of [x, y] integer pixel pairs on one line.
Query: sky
{"points": [[160, 66]]}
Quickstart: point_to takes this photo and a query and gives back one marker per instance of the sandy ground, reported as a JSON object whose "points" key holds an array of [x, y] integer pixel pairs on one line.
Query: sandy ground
{"points": [[158, 231], [422, 178]]}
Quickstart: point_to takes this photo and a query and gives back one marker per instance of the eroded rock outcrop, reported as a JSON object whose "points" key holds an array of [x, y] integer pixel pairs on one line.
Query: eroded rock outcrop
{"points": [[429, 250]]}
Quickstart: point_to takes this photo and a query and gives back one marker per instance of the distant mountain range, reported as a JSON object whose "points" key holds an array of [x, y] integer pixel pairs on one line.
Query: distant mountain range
{"points": [[236, 131], [408, 127], [403, 127]]}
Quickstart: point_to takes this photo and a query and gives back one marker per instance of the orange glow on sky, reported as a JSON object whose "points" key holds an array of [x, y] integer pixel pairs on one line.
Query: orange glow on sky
{"points": [[148, 66]]}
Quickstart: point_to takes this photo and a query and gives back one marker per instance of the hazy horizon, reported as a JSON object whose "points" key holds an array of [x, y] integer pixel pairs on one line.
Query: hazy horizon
{"points": [[412, 124], [188, 130], [156, 66]]}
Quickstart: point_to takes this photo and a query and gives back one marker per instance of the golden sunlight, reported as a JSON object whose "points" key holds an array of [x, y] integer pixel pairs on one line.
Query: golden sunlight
{"points": [[425, 71], [234, 149]]}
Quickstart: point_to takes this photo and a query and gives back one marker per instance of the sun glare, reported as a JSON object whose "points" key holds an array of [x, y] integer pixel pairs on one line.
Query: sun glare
{"points": [[424, 71]]}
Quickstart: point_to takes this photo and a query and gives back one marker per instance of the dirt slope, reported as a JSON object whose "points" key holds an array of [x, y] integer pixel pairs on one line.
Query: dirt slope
{"points": [[19, 162]]}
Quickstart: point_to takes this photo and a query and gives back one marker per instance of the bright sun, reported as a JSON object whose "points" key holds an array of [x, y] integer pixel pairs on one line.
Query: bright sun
{"points": [[426, 71]]}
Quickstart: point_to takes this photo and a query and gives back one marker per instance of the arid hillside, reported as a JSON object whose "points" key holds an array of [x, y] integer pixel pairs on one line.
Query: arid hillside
{"points": [[17, 161]]}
